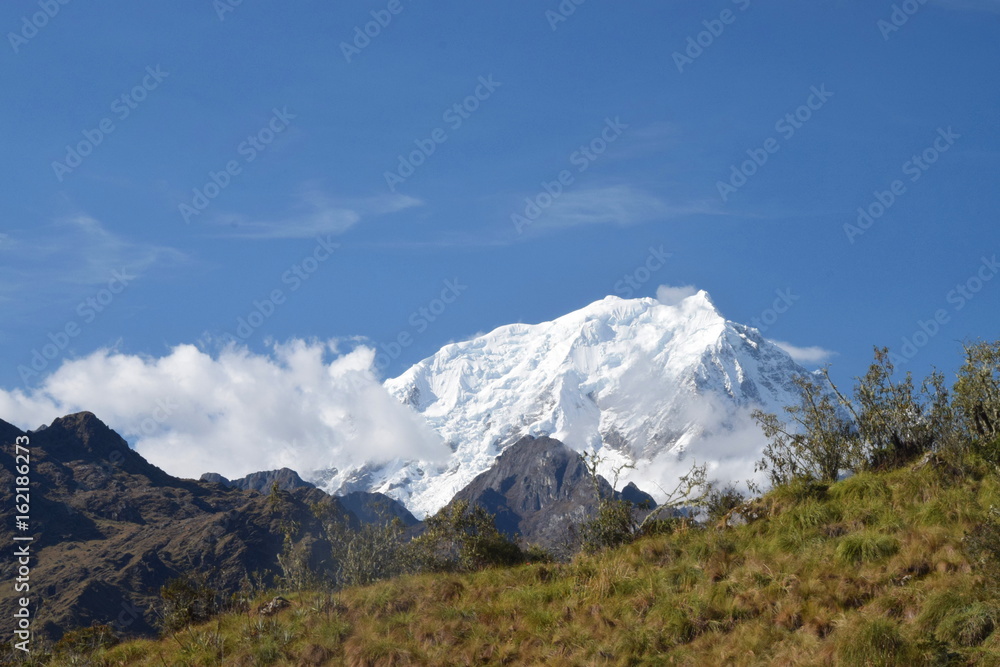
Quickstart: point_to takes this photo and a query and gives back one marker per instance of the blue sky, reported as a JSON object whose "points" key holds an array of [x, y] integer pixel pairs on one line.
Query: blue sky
{"points": [[640, 136]]}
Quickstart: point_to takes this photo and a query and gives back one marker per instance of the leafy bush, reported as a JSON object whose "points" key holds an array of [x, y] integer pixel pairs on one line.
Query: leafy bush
{"points": [[613, 526], [897, 423], [462, 538], [372, 553], [977, 391], [721, 501], [186, 601], [616, 523], [818, 443]]}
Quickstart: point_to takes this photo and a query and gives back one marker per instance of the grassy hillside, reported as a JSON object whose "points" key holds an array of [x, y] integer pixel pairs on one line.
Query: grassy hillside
{"points": [[867, 571]]}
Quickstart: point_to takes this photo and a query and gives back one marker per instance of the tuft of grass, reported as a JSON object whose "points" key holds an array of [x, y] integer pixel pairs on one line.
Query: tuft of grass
{"points": [[866, 547], [872, 643]]}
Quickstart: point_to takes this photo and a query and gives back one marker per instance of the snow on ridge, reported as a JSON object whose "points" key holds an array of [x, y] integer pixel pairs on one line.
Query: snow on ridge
{"points": [[646, 382]]}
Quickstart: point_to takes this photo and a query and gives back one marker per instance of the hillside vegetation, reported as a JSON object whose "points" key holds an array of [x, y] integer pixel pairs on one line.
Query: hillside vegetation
{"points": [[895, 565]]}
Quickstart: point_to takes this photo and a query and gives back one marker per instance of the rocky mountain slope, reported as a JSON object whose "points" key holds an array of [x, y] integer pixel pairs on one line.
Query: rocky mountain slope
{"points": [[367, 507], [109, 529], [540, 490]]}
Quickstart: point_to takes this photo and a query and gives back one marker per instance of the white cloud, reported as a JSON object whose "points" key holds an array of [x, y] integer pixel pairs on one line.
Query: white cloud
{"points": [[237, 413], [669, 295], [618, 204], [805, 355], [313, 214]]}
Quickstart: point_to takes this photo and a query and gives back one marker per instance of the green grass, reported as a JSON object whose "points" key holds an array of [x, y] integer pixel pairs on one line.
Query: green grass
{"points": [[867, 571]]}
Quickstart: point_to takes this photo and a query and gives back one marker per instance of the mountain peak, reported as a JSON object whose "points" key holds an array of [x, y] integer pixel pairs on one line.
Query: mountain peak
{"points": [[81, 436], [637, 379]]}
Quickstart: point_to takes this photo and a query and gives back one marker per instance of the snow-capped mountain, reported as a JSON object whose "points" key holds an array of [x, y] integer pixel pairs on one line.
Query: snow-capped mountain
{"points": [[644, 382]]}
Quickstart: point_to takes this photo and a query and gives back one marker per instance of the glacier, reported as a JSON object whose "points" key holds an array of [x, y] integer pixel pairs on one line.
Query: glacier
{"points": [[643, 383]]}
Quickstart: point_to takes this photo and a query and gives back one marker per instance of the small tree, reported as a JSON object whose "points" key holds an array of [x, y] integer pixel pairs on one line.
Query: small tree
{"points": [[297, 573], [817, 444], [371, 553], [616, 524], [897, 422], [977, 391]]}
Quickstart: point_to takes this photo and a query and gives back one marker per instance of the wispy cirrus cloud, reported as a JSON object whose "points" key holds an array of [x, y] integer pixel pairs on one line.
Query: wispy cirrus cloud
{"points": [[616, 204], [313, 213], [72, 252]]}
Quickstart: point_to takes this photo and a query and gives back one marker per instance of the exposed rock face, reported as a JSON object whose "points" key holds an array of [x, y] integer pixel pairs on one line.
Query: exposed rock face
{"points": [[540, 489], [367, 507], [109, 529], [285, 478], [376, 508]]}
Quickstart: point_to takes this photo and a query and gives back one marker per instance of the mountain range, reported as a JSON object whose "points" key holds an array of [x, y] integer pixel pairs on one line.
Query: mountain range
{"points": [[108, 529], [639, 382]]}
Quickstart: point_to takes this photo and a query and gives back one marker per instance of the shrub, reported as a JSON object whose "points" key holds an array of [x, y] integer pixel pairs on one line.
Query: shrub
{"points": [[86, 640], [721, 502], [462, 538], [372, 553], [896, 423], [977, 391], [613, 526], [817, 444], [186, 601]]}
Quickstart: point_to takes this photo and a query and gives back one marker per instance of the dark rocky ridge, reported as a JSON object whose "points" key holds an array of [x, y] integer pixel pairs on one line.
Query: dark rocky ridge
{"points": [[110, 528], [367, 507], [377, 508], [540, 489], [261, 482]]}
